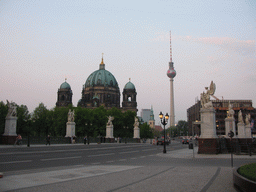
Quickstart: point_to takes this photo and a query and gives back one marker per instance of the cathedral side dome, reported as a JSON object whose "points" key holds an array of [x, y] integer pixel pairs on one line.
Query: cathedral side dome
{"points": [[129, 85], [65, 85]]}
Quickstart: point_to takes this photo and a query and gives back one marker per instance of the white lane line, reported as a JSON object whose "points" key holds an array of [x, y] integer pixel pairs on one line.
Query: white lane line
{"points": [[133, 158], [148, 149], [52, 159], [97, 163], [110, 161], [101, 155], [27, 161], [142, 156], [122, 159], [128, 152]]}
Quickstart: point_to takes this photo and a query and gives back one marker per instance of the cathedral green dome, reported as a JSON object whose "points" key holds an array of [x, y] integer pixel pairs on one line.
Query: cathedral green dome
{"points": [[129, 85], [101, 77], [65, 85]]}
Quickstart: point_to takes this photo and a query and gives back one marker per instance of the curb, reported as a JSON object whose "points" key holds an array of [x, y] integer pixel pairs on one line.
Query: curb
{"points": [[243, 183]]}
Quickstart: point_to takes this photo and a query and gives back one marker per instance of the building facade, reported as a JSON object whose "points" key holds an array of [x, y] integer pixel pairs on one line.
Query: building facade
{"points": [[221, 108], [100, 89]]}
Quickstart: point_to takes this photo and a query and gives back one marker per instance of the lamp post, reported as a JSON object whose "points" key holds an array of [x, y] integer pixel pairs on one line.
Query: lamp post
{"points": [[164, 121], [231, 134]]}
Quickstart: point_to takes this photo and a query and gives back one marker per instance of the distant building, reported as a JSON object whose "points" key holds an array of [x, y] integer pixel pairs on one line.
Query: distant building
{"points": [[145, 115], [221, 108], [151, 121]]}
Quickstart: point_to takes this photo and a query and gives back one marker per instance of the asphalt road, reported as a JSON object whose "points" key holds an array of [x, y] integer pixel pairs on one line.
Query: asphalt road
{"points": [[24, 158]]}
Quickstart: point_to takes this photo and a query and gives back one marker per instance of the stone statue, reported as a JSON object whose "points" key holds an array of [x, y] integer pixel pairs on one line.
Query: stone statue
{"points": [[11, 110], [71, 116], [205, 97], [230, 112], [247, 119], [136, 122], [240, 117], [110, 119]]}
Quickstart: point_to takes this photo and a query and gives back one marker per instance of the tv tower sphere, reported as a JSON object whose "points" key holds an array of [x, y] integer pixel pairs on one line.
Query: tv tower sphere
{"points": [[171, 73]]}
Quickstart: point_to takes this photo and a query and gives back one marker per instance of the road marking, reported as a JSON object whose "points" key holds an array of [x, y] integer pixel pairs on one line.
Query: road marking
{"points": [[110, 161], [128, 152], [134, 158], [101, 155], [27, 161], [97, 163], [77, 157], [149, 149], [142, 156], [122, 159]]}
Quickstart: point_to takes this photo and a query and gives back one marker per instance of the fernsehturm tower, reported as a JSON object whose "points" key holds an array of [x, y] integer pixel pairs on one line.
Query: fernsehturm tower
{"points": [[171, 73]]}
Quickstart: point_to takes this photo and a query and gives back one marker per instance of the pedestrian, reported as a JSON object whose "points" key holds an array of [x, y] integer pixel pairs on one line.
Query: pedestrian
{"points": [[48, 140], [85, 139], [18, 140]]}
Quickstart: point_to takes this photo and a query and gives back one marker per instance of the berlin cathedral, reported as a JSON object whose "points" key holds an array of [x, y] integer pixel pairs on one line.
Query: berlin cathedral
{"points": [[100, 89]]}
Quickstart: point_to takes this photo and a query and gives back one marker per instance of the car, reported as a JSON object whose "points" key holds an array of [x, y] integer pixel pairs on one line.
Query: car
{"points": [[160, 141], [185, 141]]}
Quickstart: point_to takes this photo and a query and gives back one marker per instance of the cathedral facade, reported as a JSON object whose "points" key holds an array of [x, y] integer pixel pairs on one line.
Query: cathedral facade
{"points": [[100, 89]]}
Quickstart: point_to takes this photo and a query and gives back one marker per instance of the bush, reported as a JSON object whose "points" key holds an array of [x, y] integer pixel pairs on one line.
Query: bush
{"points": [[248, 171]]}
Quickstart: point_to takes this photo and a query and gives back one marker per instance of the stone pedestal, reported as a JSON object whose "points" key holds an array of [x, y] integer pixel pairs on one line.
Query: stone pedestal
{"points": [[240, 130], [109, 131], [10, 126], [230, 125], [208, 146], [208, 123], [71, 129], [136, 133], [248, 132]]}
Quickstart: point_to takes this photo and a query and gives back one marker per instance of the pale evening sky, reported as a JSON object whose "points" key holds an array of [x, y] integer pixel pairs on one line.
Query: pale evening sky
{"points": [[42, 42]]}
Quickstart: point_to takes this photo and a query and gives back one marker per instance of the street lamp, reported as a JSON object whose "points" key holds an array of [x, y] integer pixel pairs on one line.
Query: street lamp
{"points": [[164, 121]]}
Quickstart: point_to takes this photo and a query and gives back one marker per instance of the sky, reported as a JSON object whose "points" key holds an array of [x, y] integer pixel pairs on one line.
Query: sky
{"points": [[42, 42]]}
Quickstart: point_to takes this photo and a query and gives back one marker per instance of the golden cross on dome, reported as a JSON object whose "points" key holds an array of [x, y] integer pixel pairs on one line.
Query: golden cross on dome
{"points": [[102, 59]]}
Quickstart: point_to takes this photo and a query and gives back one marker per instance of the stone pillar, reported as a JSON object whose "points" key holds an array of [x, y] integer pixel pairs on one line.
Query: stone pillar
{"points": [[241, 130], [71, 129], [109, 131], [136, 134], [230, 125], [10, 126], [248, 132], [208, 123]]}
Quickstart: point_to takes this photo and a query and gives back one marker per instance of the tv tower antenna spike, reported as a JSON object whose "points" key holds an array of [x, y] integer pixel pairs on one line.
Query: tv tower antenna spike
{"points": [[170, 47]]}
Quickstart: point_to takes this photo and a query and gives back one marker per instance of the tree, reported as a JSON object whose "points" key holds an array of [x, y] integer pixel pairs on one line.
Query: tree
{"points": [[3, 113], [145, 131], [39, 120], [182, 128], [23, 122]]}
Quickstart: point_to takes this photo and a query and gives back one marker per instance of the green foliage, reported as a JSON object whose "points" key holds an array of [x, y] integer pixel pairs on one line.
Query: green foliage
{"points": [[39, 120], [3, 113], [23, 122], [60, 116], [181, 129], [248, 171], [145, 131]]}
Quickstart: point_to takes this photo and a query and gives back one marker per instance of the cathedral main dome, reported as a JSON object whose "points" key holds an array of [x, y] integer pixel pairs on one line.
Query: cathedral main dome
{"points": [[100, 89], [101, 77]]}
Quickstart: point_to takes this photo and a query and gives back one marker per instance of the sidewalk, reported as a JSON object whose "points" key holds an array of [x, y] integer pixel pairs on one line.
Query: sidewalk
{"points": [[188, 153]]}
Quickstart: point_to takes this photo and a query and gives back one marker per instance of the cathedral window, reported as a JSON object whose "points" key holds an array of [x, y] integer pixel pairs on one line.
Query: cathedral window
{"points": [[98, 82]]}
